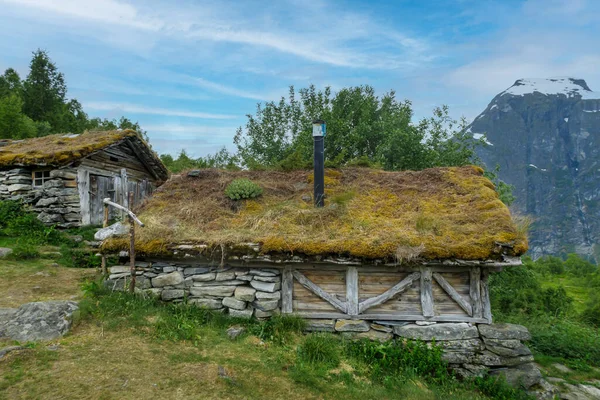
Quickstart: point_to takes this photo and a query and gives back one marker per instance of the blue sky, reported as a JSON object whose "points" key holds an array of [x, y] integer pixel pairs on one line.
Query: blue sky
{"points": [[189, 71]]}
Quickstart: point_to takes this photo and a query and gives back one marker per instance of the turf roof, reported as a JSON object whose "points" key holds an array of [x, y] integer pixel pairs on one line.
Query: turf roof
{"points": [[440, 213], [60, 149]]}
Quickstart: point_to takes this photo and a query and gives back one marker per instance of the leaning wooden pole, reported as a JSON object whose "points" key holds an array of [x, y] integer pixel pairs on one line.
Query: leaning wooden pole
{"points": [[131, 246]]}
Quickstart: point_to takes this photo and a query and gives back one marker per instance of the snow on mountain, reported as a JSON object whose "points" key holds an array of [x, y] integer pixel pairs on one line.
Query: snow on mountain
{"points": [[552, 86]]}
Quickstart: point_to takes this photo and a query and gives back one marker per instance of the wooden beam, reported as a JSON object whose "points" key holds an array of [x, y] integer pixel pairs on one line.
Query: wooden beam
{"points": [[389, 317], [352, 291], [475, 291], [485, 296], [454, 295], [125, 210], [307, 283], [287, 290], [387, 295], [83, 186], [427, 293]]}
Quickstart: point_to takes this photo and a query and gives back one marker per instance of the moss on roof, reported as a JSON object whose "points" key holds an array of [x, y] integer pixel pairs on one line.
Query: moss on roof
{"points": [[437, 213], [60, 149]]}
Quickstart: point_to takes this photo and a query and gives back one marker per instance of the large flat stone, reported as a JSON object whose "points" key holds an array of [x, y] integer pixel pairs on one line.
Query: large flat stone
{"points": [[266, 286], [371, 335], [246, 314], [438, 332], [170, 279], [225, 276], [351, 325], [320, 325], [490, 359], [195, 271], [217, 291], [41, 321], [504, 332], [212, 304], [234, 303], [210, 276], [507, 348], [172, 294], [268, 296], [468, 345], [266, 305]]}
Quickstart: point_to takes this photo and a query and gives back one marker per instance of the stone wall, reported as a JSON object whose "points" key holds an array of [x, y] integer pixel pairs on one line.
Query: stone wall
{"points": [[56, 203], [241, 292], [470, 350]]}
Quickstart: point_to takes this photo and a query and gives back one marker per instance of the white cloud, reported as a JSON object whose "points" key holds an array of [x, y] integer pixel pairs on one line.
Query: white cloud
{"points": [[217, 87], [119, 108], [192, 131]]}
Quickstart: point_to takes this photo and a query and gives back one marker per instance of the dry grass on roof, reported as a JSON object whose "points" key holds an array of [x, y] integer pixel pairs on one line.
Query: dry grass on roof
{"points": [[433, 214], [59, 149]]}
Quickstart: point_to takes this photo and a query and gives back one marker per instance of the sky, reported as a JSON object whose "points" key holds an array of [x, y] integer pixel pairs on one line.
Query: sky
{"points": [[189, 71]]}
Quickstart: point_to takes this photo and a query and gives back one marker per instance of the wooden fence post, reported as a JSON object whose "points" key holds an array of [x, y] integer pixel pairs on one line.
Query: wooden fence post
{"points": [[132, 247]]}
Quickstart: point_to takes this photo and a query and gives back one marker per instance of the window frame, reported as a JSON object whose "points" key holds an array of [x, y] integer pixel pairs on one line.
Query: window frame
{"points": [[42, 178]]}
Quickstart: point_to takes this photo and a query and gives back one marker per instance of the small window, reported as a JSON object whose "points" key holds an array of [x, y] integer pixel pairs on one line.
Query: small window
{"points": [[40, 177]]}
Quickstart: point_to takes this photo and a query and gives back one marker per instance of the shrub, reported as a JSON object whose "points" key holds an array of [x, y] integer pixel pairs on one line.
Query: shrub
{"points": [[24, 250], [240, 189], [577, 266], [591, 313], [79, 258], [320, 348], [9, 210]]}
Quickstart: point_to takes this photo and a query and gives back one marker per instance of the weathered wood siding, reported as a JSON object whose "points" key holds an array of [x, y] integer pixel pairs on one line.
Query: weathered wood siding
{"points": [[372, 293]]}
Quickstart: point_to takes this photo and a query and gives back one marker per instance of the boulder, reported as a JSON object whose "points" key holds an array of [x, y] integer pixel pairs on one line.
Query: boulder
{"points": [[522, 376], [117, 229], [234, 303], [171, 279], [217, 291], [504, 332], [266, 286], [40, 321], [320, 325], [351, 325], [438, 332], [244, 293]]}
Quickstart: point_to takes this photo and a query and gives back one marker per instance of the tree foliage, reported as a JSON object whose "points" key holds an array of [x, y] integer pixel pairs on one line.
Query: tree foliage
{"points": [[38, 105], [360, 126]]}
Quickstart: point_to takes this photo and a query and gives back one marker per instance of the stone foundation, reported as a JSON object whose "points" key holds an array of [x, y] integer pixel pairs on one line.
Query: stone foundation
{"points": [[470, 349], [56, 203]]}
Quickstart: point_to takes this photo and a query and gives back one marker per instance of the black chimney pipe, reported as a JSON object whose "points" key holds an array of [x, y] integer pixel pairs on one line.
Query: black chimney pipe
{"points": [[319, 128]]}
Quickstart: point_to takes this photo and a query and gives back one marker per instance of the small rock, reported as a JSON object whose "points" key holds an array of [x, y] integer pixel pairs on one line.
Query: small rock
{"points": [[120, 269], [371, 335], [381, 328], [235, 331], [53, 347], [351, 325], [306, 198], [262, 272], [234, 303], [425, 323], [225, 276], [54, 265], [172, 294], [267, 278], [5, 251], [117, 229]]}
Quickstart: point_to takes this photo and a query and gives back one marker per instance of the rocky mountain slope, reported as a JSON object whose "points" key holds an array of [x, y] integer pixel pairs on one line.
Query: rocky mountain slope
{"points": [[545, 136]]}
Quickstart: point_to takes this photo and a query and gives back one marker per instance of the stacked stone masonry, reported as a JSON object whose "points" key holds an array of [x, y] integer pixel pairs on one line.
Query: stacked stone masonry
{"points": [[470, 349], [56, 201]]}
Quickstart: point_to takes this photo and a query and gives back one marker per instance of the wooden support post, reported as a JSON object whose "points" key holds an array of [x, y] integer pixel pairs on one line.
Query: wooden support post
{"points": [[287, 291], [352, 290], [427, 292], [124, 190], [485, 295], [104, 225], [475, 291], [132, 248]]}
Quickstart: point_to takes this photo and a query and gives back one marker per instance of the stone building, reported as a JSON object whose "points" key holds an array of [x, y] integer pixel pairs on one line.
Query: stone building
{"points": [[64, 178], [391, 255]]}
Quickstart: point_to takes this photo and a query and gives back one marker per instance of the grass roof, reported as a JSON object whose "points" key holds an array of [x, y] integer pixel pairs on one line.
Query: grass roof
{"points": [[58, 150], [437, 213]]}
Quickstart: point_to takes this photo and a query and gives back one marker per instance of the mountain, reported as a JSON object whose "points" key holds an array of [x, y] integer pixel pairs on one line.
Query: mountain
{"points": [[545, 136]]}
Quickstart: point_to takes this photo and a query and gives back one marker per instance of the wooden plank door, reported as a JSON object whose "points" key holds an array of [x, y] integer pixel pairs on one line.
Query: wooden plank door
{"points": [[101, 187]]}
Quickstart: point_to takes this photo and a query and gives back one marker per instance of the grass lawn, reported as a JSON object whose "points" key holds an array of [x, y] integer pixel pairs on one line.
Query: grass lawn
{"points": [[123, 357]]}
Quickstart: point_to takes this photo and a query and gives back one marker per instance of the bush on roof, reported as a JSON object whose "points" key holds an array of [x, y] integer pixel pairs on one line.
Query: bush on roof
{"points": [[240, 189]]}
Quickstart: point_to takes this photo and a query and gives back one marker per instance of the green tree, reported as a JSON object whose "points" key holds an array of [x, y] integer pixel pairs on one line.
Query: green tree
{"points": [[13, 123], [10, 83], [44, 92], [360, 126]]}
